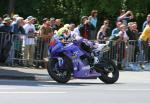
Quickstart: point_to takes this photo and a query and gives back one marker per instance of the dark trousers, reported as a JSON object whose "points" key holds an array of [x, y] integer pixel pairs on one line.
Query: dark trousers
{"points": [[146, 47]]}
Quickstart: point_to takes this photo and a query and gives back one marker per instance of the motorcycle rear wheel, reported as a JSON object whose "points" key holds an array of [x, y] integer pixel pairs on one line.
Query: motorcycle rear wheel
{"points": [[109, 68]]}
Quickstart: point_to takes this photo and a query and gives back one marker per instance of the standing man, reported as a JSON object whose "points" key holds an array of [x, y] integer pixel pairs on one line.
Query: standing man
{"points": [[84, 27], [46, 34], [6, 25], [93, 22], [103, 33], [145, 23], [1, 20], [29, 40], [15, 18], [125, 17], [145, 40], [5, 39], [16, 48], [116, 30], [57, 24], [119, 41]]}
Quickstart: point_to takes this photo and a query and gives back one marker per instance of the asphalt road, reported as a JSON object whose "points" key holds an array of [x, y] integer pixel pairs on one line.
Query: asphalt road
{"points": [[132, 87]]}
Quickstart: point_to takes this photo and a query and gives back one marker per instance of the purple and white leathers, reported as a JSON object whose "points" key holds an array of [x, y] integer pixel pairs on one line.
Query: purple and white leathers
{"points": [[81, 59]]}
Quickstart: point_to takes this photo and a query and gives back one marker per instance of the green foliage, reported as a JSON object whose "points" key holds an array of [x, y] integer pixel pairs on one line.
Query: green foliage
{"points": [[3, 7], [72, 10]]}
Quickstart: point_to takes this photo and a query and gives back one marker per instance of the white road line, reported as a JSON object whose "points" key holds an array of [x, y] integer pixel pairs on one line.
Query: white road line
{"points": [[33, 92], [128, 89], [6, 88]]}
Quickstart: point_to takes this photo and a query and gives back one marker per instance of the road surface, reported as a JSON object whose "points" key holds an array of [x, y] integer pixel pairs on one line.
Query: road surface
{"points": [[132, 87]]}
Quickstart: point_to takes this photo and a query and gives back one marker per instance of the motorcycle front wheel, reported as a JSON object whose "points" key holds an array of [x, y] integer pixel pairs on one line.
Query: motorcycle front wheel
{"points": [[110, 72], [60, 74]]}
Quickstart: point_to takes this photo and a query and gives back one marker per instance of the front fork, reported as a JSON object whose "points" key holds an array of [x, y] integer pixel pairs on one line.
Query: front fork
{"points": [[60, 61]]}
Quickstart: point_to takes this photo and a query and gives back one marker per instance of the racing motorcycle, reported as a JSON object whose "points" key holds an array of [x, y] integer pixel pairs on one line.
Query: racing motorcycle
{"points": [[83, 60]]}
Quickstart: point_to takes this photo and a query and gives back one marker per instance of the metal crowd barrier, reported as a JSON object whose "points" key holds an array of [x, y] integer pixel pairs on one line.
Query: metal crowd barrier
{"points": [[22, 50], [131, 52]]}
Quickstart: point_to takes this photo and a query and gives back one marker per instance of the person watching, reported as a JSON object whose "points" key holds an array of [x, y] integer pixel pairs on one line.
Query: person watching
{"points": [[146, 22], [125, 17]]}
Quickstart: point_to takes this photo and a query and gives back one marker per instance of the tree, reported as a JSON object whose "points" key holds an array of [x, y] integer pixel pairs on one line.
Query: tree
{"points": [[3, 9], [11, 7], [72, 10]]}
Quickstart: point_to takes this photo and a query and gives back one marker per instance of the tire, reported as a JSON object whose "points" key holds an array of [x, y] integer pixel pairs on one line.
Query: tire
{"points": [[105, 74], [66, 68]]}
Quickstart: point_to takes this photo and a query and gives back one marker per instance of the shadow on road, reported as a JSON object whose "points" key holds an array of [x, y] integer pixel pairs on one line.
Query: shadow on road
{"points": [[49, 83]]}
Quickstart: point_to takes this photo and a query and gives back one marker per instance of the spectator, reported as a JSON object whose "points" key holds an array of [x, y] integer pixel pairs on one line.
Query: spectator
{"points": [[72, 26], [5, 39], [17, 27], [132, 31], [113, 38], [29, 40], [6, 16], [116, 30], [45, 30], [133, 34], [145, 23], [1, 20], [135, 30], [44, 20], [75, 33], [103, 32], [36, 24], [119, 42], [84, 27], [52, 22], [76, 30], [123, 34], [93, 22], [122, 42], [57, 25], [16, 49], [39, 47], [46, 33], [125, 17], [15, 18], [6, 25], [145, 39]]}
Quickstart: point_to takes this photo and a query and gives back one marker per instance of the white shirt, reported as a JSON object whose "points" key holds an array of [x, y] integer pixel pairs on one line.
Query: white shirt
{"points": [[76, 30], [75, 34], [124, 34], [29, 29]]}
